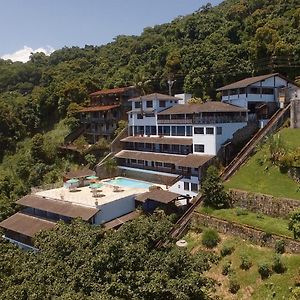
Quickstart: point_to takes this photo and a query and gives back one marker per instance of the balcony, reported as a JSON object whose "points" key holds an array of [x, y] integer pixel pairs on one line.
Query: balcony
{"points": [[205, 120]]}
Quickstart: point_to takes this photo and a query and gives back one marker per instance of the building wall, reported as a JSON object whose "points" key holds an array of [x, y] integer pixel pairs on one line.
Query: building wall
{"points": [[178, 187], [115, 209], [212, 142]]}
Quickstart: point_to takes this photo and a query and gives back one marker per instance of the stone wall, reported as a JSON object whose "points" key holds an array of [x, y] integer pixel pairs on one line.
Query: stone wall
{"points": [[255, 236], [266, 204]]}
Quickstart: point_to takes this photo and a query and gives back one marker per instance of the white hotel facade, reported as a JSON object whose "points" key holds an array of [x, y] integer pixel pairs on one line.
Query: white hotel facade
{"points": [[172, 138]]}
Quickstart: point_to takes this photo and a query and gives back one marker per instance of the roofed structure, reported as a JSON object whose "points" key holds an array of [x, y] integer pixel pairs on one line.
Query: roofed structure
{"points": [[121, 220], [26, 224], [80, 173], [190, 160], [158, 140], [112, 91], [99, 108], [155, 96], [158, 195], [62, 208], [250, 80], [209, 106]]}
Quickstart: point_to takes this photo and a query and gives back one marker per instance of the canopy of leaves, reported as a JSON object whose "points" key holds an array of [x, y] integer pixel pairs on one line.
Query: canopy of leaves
{"points": [[80, 261]]}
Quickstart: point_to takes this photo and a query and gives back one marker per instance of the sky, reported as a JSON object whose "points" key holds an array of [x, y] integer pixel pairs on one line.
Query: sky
{"points": [[45, 25]]}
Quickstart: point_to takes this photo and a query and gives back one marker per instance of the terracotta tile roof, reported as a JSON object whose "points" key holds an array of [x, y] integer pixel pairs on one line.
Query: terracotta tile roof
{"points": [[210, 106], [60, 207], [80, 173], [112, 91], [251, 80], [121, 220], [161, 196], [158, 140], [190, 160], [26, 224], [155, 96], [99, 108]]}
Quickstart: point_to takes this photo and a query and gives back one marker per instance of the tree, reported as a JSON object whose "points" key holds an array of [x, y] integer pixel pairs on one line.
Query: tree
{"points": [[294, 224], [80, 261], [110, 166], [37, 144], [213, 190], [90, 159]]}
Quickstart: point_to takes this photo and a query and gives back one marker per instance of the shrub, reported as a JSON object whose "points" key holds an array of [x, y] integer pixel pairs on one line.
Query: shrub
{"points": [[234, 285], [279, 246], [226, 268], [227, 250], [245, 262], [278, 266], [260, 216], [264, 270], [241, 212], [210, 238]]}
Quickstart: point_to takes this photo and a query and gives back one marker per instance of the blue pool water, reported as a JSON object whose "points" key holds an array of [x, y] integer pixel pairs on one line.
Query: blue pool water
{"points": [[126, 182]]}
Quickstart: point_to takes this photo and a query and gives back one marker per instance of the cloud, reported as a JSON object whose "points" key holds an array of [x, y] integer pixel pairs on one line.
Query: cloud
{"points": [[24, 54]]}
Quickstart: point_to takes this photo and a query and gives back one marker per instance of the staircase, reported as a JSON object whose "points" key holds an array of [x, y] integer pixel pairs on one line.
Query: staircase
{"points": [[71, 137], [275, 122]]}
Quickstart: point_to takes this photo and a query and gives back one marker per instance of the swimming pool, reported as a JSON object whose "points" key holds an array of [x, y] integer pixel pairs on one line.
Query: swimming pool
{"points": [[127, 182]]}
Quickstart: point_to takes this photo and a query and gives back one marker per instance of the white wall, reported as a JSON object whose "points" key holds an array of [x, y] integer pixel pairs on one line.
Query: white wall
{"points": [[212, 142], [178, 187], [115, 209]]}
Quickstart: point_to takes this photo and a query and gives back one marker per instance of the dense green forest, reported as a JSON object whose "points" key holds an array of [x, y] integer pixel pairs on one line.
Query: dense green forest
{"points": [[202, 51], [80, 261]]}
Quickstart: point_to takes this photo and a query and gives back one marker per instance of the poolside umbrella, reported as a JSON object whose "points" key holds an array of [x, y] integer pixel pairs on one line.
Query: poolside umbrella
{"points": [[95, 186], [73, 181], [92, 177]]}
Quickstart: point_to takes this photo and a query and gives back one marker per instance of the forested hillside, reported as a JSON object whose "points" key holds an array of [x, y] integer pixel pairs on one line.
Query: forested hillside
{"points": [[201, 51]]}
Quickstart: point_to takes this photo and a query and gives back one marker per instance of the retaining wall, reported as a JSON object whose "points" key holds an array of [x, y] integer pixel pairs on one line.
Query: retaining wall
{"points": [[254, 235], [266, 204]]}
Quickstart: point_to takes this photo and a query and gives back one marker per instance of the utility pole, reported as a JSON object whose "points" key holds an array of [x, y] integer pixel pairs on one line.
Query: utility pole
{"points": [[170, 83]]}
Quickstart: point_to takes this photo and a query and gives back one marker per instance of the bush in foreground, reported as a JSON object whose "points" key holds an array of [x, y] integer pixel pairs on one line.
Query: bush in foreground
{"points": [[210, 238], [264, 270], [234, 285], [245, 262], [227, 250], [278, 266], [280, 246]]}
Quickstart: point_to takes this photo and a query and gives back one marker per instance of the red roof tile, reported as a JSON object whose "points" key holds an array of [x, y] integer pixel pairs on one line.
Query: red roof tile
{"points": [[111, 91], [99, 108]]}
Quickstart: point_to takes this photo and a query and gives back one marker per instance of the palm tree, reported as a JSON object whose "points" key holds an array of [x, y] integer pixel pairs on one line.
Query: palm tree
{"points": [[110, 166]]}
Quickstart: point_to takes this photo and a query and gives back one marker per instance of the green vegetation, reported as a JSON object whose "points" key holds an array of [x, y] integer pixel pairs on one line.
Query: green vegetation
{"points": [[213, 190], [294, 224], [258, 175], [80, 261], [210, 238], [228, 272], [263, 222]]}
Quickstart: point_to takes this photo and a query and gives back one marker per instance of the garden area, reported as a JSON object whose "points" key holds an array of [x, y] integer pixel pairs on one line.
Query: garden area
{"points": [[247, 271], [260, 221], [266, 171]]}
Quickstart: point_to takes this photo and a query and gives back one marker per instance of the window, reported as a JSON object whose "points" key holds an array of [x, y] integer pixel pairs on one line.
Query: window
{"points": [[194, 187], [138, 104], [158, 164], [148, 130], [219, 130], [181, 130], [160, 132], [140, 162], [209, 130], [167, 165], [199, 148], [166, 130], [149, 115], [173, 130], [153, 130], [149, 104], [188, 130], [186, 186], [199, 130], [139, 116], [133, 161], [130, 116], [267, 91], [254, 90], [242, 91], [162, 103]]}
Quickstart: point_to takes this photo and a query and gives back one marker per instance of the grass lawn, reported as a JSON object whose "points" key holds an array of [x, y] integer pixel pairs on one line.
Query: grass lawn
{"points": [[277, 286], [263, 222], [267, 178]]}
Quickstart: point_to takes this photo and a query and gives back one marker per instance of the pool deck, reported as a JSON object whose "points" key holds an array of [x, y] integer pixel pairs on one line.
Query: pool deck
{"points": [[84, 196]]}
